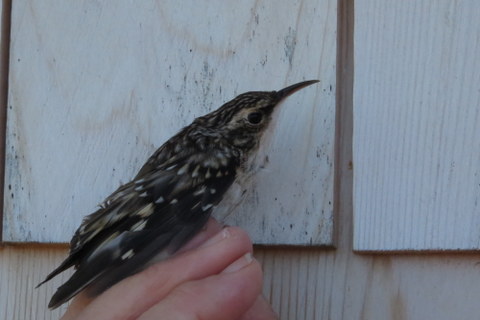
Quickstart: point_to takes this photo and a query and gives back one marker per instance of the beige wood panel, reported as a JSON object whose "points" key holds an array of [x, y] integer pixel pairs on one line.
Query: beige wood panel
{"points": [[301, 284], [5, 7], [309, 283], [96, 87], [417, 134], [21, 269]]}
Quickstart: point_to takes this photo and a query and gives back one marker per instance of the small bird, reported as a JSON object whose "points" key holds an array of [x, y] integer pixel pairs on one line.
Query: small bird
{"points": [[171, 198]]}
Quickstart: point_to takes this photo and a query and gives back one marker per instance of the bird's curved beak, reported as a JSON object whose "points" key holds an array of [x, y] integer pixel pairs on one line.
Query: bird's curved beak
{"points": [[285, 92]]}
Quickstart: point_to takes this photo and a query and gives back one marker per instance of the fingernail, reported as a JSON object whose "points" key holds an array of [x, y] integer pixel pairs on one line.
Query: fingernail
{"points": [[240, 263], [223, 234]]}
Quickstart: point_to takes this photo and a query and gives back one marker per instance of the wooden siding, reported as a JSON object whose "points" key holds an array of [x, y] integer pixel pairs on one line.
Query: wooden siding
{"points": [[308, 284], [95, 88], [417, 125]]}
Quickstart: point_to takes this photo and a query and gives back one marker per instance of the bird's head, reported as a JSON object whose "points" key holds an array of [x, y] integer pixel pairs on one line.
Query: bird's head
{"points": [[244, 119]]}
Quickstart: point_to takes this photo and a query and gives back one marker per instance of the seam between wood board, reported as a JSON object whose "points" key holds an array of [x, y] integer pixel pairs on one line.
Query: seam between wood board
{"points": [[34, 245], [4, 71], [343, 203]]}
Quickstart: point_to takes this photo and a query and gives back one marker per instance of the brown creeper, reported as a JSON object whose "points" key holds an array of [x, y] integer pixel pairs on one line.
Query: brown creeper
{"points": [[171, 197]]}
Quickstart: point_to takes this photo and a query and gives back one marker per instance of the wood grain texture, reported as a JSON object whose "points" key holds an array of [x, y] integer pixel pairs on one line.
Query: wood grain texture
{"points": [[417, 114], [21, 269], [95, 88], [5, 10], [309, 283], [301, 284]]}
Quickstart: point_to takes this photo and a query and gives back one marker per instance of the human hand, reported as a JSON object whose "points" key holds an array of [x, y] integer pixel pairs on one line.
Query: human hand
{"points": [[214, 276]]}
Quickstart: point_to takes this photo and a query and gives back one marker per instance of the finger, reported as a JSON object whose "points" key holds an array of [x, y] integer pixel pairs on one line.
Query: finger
{"points": [[76, 306], [260, 310], [134, 295], [227, 295], [212, 228]]}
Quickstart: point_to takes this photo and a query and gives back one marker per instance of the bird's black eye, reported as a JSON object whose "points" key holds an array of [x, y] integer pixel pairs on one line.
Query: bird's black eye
{"points": [[255, 117]]}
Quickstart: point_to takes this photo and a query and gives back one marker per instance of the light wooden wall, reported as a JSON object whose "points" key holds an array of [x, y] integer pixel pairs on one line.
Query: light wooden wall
{"points": [[95, 88], [417, 135], [308, 283]]}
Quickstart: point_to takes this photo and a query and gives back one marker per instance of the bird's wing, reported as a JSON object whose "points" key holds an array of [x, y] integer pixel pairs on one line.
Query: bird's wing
{"points": [[161, 209]]}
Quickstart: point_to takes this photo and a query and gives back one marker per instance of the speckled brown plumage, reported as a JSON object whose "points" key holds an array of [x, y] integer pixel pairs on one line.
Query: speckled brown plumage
{"points": [[171, 197]]}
